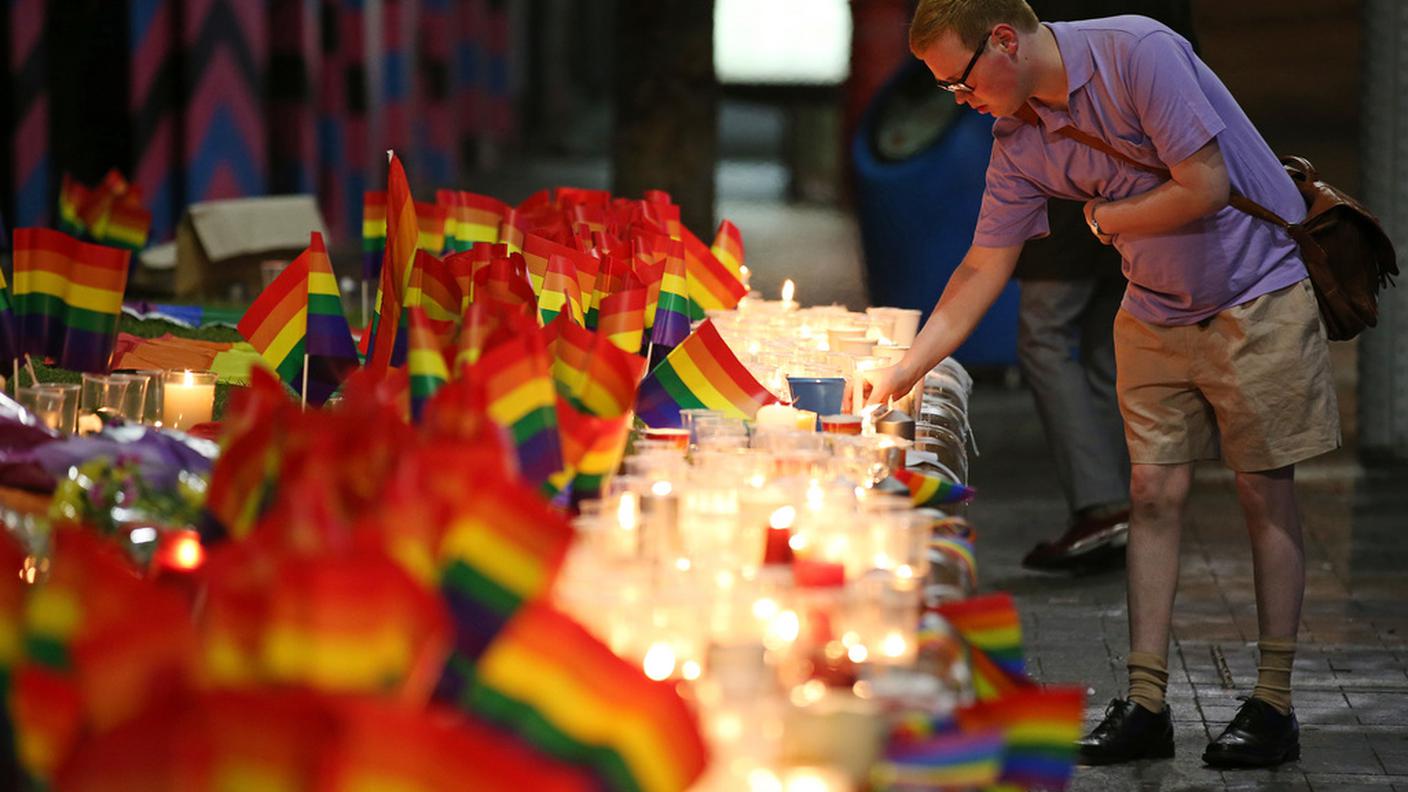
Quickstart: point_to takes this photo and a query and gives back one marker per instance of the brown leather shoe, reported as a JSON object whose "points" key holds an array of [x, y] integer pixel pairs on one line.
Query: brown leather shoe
{"points": [[1088, 543]]}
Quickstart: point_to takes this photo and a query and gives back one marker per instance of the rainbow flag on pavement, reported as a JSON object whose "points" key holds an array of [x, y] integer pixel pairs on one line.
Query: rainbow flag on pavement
{"points": [[949, 760], [989, 624], [1040, 727], [702, 372], [930, 490], [67, 297]]}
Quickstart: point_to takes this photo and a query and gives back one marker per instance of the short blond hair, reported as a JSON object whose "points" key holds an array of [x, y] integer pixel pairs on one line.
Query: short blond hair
{"points": [[970, 19]]}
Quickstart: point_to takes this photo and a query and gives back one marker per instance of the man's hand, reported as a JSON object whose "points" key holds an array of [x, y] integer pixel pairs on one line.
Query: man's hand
{"points": [[1093, 222], [880, 385]]}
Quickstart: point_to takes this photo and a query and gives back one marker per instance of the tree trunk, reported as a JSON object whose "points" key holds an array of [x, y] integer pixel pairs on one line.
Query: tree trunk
{"points": [[666, 97]]}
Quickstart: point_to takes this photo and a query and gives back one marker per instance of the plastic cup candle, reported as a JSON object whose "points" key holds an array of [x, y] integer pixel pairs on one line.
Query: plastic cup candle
{"points": [[773, 417], [188, 398], [841, 424]]}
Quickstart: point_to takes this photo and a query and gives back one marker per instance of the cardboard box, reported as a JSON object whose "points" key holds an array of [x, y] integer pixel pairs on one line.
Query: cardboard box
{"points": [[222, 244]]}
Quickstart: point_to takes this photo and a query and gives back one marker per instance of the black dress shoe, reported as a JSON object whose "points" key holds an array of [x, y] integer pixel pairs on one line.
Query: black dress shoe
{"points": [[1258, 736], [1127, 733], [1087, 543]]}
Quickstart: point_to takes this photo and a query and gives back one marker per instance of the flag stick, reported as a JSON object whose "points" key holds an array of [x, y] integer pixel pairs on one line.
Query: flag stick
{"points": [[16, 362], [365, 307], [29, 366], [304, 392]]}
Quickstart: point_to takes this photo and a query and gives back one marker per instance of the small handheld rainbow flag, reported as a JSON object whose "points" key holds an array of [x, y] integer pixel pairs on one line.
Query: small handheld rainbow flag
{"points": [[425, 361], [430, 225], [561, 292], [949, 760], [711, 285], [68, 295], [622, 318], [592, 448], [1040, 727], [991, 627], [961, 550], [480, 218], [702, 372], [537, 254], [402, 231], [672, 314], [373, 233], [927, 490], [276, 323], [610, 380], [517, 377], [557, 687], [570, 345], [728, 248]]}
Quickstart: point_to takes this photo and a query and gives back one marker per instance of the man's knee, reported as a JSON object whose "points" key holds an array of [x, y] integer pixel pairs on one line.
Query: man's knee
{"points": [[1159, 489]]}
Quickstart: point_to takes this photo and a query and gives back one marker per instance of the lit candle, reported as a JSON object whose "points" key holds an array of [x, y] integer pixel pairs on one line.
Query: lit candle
{"points": [[744, 275], [788, 289], [776, 417], [188, 398]]}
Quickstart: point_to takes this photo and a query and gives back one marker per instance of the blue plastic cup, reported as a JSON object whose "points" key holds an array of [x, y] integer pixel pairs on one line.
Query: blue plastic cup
{"points": [[821, 395]]}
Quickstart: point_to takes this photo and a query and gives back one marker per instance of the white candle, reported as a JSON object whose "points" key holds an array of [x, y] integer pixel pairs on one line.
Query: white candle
{"points": [[776, 416], [788, 289], [188, 398]]}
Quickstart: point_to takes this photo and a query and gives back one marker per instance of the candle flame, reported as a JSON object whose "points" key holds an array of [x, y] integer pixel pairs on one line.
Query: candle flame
{"points": [[659, 662], [867, 418], [189, 380], [628, 513], [788, 289]]}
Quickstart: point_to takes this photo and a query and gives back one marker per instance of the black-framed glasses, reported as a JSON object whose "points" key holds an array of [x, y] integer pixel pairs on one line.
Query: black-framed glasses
{"points": [[961, 84]]}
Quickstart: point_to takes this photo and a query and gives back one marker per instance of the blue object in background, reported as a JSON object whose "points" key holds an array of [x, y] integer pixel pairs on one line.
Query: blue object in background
{"points": [[821, 395], [920, 164]]}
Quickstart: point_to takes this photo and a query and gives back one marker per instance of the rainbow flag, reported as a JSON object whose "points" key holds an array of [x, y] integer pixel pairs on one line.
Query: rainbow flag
{"points": [[960, 550], [592, 448], [401, 236], [557, 687], [610, 380], [373, 233], [991, 627], [425, 361], [927, 490], [1040, 727], [537, 254], [702, 372], [513, 230], [650, 274], [430, 224], [332, 355], [67, 297], [728, 248], [672, 312], [711, 285], [622, 318], [950, 760], [9, 333], [480, 218], [560, 292], [481, 319], [128, 225], [570, 346], [434, 289], [73, 196], [496, 554], [276, 323], [517, 376]]}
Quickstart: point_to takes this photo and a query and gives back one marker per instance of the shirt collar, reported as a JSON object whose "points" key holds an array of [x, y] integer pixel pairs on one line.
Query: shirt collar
{"points": [[1075, 55]]}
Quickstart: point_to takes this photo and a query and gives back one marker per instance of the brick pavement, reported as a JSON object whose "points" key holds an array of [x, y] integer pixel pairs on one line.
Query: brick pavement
{"points": [[1351, 672]]}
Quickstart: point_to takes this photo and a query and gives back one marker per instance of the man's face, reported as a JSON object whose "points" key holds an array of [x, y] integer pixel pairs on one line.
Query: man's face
{"points": [[982, 78]]}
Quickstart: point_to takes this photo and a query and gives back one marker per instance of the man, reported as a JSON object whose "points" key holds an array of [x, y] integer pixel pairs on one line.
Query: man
{"points": [[1218, 342]]}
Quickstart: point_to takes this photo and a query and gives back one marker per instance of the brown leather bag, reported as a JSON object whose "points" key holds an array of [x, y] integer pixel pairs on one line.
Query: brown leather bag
{"points": [[1346, 252]]}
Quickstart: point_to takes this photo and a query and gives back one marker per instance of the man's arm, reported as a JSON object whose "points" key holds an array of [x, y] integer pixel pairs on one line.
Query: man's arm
{"points": [[1199, 187], [970, 291]]}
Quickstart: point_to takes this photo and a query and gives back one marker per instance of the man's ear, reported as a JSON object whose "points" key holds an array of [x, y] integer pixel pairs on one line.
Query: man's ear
{"points": [[1005, 38]]}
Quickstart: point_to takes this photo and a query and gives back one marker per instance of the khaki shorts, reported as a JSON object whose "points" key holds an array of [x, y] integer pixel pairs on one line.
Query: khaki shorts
{"points": [[1253, 381]]}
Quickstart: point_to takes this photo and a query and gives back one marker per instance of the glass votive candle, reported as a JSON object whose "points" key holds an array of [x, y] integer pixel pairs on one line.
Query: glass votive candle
{"points": [[69, 393], [188, 398], [151, 410], [134, 397], [841, 424], [678, 438], [46, 405], [104, 394]]}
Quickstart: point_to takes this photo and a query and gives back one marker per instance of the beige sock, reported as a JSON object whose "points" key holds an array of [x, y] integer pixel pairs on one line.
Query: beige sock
{"points": [[1148, 679], [1273, 673]]}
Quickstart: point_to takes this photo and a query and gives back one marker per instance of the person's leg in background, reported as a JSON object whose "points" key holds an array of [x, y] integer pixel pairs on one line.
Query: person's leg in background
{"points": [[1066, 353]]}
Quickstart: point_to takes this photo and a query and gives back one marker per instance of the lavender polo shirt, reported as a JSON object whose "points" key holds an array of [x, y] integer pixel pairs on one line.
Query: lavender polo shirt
{"points": [[1137, 85]]}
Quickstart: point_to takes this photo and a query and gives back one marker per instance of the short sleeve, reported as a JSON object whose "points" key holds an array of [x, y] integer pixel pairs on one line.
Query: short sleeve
{"points": [[1173, 109], [1014, 209]]}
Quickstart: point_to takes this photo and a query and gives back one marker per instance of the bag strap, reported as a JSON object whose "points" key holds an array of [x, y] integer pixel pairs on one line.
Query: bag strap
{"points": [[1236, 199]]}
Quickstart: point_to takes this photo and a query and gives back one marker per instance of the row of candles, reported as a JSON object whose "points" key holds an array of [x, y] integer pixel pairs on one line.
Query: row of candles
{"points": [[178, 399], [769, 569]]}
